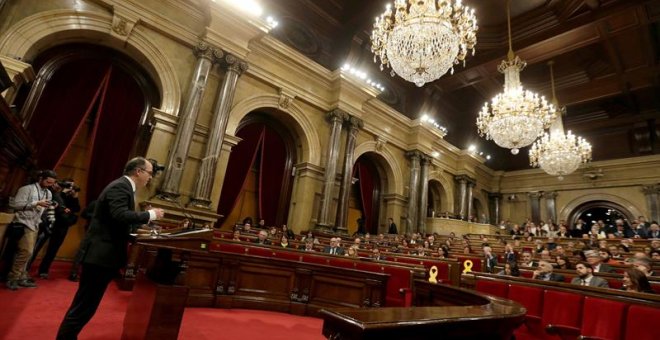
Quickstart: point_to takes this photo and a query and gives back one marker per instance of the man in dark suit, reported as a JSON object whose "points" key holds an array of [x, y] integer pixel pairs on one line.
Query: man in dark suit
{"points": [[104, 247], [544, 272], [596, 262], [335, 247], [392, 227]]}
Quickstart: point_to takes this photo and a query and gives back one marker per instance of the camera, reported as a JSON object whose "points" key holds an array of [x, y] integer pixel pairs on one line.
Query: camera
{"points": [[156, 167]]}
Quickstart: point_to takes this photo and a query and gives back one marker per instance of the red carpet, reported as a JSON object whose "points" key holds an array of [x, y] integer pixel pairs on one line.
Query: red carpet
{"points": [[35, 313]]}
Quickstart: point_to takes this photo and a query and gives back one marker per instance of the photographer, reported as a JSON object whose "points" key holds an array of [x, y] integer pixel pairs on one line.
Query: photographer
{"points": [[65, 193], [29, 203]]}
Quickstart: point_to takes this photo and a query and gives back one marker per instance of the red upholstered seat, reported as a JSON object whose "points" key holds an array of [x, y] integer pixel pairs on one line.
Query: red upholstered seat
{"points": [[497, 288], [640, 323], [476, 262], [532, 299], [602, 318], [561, 308]]}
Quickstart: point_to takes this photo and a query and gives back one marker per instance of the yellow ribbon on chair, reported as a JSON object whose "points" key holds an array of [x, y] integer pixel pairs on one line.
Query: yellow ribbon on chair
{"points": [[433, 273], [467, 266]]}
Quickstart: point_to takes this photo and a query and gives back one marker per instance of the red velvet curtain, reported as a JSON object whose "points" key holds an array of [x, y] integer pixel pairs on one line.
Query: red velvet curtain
{"points": [[89, 88], [240, 162], [118, 121], [369, 189], [272, 174], [70, 93]]}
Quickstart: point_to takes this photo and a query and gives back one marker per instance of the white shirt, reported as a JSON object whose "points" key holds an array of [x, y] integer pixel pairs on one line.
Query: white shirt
{"points": [[152, 214]]}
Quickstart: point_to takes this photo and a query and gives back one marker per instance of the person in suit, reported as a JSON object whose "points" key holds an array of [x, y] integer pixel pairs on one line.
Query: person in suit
{"points": [[104, 248], [490, 260], [586, 278], [392, 227], [594, 259], [262, 238], [544, 272], [334, 248]]}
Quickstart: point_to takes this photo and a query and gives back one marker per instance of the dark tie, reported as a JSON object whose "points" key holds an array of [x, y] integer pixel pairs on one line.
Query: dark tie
{"points": [[584, 282]]}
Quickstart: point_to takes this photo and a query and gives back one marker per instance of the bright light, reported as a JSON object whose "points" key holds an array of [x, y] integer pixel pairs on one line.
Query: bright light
{"points": [[472, 148], [589, 214], [488, 157], [435, 154]]}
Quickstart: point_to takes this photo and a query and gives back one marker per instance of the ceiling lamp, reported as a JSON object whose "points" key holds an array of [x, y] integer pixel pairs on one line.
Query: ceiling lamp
{"points": [[422, 39], [515, 117], [557, 153]]}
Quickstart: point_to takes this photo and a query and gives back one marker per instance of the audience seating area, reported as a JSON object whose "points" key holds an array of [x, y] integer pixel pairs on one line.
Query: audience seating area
{"points": [[564, 311]]}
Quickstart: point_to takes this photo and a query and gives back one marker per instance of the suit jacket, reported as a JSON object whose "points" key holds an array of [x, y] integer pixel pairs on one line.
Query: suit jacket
{"points": [[594, 282], [554, 277], [338, 250], [606, 268], [490, 263], [106, 241]]}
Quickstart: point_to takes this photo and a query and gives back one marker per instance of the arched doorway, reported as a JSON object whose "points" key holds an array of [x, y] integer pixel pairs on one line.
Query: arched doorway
{"points": [[88, 113], [592, 211], [364, 204], [257, 182], [478, 212], [437, 197]]}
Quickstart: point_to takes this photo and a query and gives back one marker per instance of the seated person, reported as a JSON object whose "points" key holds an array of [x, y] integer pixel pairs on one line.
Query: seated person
{"points": [[544, 272], [263, 238], [596, 262], [527, 259], [309, 245], [237, 236], [284, 241], [510, 269], [376, 255], [335, 247], [586, 278], [490, 260], [644, 265], [352, 252], [636, 281]]}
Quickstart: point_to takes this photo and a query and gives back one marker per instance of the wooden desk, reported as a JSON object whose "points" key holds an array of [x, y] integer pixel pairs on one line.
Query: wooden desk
{"points": [[464, 314]]}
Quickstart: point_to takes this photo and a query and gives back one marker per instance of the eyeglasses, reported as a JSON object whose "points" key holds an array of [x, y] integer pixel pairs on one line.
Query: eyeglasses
{"points": [[151, 173]]}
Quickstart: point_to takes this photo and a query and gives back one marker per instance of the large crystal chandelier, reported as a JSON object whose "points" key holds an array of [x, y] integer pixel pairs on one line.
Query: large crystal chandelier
{"points": [[422, 39], [557, 153], [515, 117]]}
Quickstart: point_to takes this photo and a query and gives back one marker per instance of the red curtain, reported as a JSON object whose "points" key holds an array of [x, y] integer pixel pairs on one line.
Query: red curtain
{"points": [[272, 180], [240, 162], [70, 93], [369, 189], [118, 120]]}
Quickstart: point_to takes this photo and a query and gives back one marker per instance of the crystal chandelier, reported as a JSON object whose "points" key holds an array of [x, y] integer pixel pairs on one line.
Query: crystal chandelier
{"points": [[422, 39], [515, 117], [557, 153]]}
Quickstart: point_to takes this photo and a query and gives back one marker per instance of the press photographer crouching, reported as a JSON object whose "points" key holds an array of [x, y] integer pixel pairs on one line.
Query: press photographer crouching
{"points": [[29, 203], [56, 222]]}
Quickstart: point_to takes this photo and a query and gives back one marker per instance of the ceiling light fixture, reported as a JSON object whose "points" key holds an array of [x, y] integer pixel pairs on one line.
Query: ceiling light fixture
{"points": [[515, 117], [422, 39], [557, 153]]}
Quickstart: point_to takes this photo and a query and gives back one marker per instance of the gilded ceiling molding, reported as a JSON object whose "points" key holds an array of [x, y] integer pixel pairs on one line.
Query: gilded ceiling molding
{"points": [[35, 33], [303, 127]]}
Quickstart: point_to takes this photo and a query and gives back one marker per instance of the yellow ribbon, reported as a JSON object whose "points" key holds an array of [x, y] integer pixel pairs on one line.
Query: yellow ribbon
{"points": [[433, 273], [467, 266]]}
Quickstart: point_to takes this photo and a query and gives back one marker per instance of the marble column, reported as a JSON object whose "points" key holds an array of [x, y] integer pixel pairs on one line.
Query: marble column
{"points": [[354, 126], [425, 161], [169, 189], [652, 195], [535, 205], [234, 68], [468, 200], [551, 205], [461, 210], [495, 201], [336, 118], [413, 197]]}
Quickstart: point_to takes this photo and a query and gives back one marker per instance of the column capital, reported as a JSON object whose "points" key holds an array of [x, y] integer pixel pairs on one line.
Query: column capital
{"points": [[651, 189], [462, 179], [354, 122], [414, 155], [231, 63], [495, 195], [535, 194], [426, 159], [205, 51], [550, 194], [337, 115]]}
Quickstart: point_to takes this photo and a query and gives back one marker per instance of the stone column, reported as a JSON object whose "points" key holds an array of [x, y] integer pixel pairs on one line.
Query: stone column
{"points": [[495, 201], [423, 193], [413, 197], [234, 68], [354, 126], [177, 158], [551, 205], [535, 205], [652, 195], [462, 196], [336, 118], [468, 199]]}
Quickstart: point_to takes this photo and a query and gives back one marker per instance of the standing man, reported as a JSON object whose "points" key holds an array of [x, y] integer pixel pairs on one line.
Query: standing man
{"points": [[104, 248], [29, 203], [391, 227]]}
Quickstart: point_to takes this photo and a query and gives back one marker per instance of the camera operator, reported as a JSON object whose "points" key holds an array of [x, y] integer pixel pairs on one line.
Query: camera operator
{"points": [[29, 203], [65, 193]]}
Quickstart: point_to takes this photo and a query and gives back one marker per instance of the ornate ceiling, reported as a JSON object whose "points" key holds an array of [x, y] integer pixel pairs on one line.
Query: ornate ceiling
{"points": [[606, 66]]}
